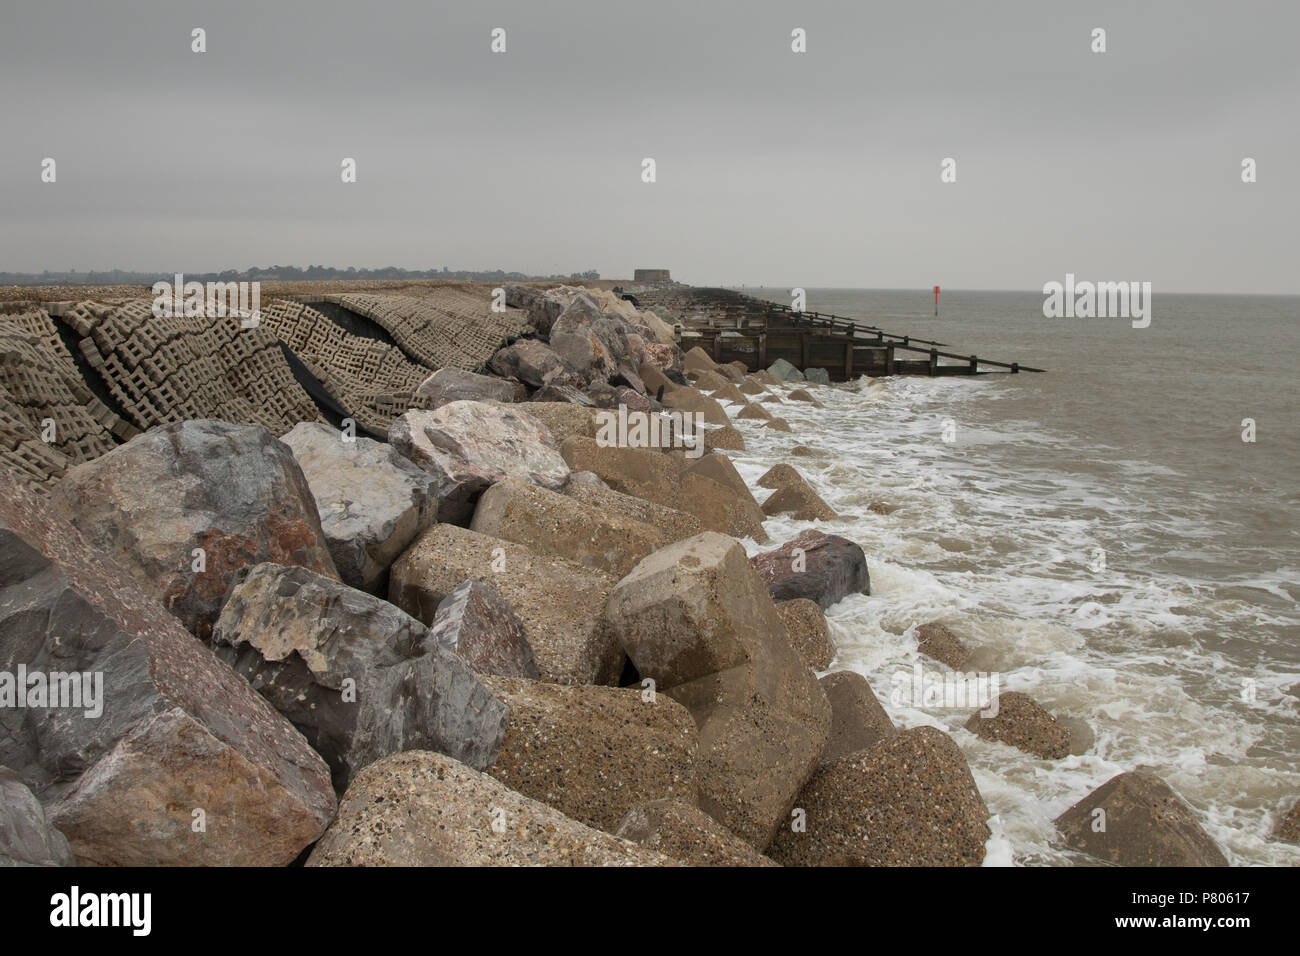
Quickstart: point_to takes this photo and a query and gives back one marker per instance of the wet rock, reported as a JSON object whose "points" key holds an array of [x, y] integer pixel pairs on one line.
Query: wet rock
{"points": [[909, 800], [793, 496], [803, 395], [1289, 828], [754, 412], [783, 371], [736, 370], [425, 809], [1142, 823], [729, 393], [454, 385], [358, 677], [727, 438], [686, 833], [1021, 722], [560, 603], [528, 360], [593, 753], [751, 387], [170, 729], [822, 567], [857, 719], [809, 635], [469, 446], [695, 618], [1082, 737], [231, 492], [803, 451], [721, 470], [372, 502], [818, 376], [695, 402], [26, 839], [708, 380], [936, 641], [478, 625], [765, 377], [781, 476], [778, 425], [551, 523], [799, 501]]}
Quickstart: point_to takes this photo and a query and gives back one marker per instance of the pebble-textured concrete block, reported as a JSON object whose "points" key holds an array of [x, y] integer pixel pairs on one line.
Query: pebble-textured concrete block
{"points": [[910, 800], [425, 809], [594, 752], [1136, 819]]}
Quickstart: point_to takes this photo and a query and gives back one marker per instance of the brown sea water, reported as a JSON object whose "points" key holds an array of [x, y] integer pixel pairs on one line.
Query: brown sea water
{"points": [[1182, 653]]}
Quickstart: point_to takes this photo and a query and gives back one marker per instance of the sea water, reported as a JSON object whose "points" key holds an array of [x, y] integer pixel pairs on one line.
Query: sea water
{"points": [[1100, 534]]}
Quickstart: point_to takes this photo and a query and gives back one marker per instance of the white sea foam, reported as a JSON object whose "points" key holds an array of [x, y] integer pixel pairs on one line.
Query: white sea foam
{"points": [[988, 537]]}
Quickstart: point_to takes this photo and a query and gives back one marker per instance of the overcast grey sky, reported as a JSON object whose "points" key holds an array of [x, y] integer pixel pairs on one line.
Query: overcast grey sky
{"points": [[773, 167]]}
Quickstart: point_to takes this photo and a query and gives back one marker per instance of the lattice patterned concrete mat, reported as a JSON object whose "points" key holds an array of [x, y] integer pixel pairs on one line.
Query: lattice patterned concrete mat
{"points": [[371, 380], [43, 396], [449, 327], [163, 370]]}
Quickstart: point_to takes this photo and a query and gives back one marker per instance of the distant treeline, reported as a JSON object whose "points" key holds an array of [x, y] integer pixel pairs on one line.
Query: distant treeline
{"points": [[271, 274]]}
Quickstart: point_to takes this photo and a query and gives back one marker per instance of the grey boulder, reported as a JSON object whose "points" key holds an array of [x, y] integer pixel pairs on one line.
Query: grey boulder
{"points": [[478, 625], [825, 568], [360, 678], [785, 371], [372, 501], [453, 385], [172, 736], [469, 446], [26, 839], [530, 361], [184, 506]]}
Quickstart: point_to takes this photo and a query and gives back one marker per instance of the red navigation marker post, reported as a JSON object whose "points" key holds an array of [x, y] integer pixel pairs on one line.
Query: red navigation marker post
{"points": [[936, 300]]}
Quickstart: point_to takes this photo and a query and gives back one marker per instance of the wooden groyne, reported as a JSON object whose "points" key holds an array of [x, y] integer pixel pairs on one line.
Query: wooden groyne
{"points": [[731, 326]]}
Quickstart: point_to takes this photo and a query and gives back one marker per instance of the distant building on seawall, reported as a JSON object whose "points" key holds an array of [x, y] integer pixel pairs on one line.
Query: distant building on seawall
{"points": [[651, 276]]}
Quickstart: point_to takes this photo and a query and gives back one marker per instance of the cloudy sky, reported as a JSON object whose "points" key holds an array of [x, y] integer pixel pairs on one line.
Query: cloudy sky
{"points": [[812, 169]]}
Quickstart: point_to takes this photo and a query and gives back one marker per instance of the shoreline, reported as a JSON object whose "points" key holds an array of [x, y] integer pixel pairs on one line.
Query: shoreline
{"points": [[450, 476]]}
